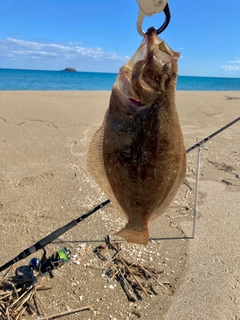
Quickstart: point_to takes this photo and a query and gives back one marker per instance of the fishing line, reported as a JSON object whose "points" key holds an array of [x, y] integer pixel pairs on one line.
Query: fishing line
{"points": [[57, 233]]}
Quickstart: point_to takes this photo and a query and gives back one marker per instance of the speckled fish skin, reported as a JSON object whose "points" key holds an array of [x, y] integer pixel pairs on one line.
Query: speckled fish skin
{"points": [[138, 155]]}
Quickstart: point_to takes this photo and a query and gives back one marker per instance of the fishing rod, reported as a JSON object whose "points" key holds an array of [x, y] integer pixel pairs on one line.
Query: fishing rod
{"points": [[51, 237], [57, 233], [212, 135]]}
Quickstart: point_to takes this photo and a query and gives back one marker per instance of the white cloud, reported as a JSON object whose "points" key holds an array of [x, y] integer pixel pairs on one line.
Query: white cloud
{"points": [[22, 49], [233, 65], [234, 61]]}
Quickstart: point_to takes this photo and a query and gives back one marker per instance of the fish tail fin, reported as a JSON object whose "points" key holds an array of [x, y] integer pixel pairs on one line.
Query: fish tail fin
{"points": [[134, 236]]}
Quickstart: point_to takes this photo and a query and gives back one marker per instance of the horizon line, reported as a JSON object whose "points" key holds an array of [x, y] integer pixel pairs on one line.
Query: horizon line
{"points": [[115, 73]]}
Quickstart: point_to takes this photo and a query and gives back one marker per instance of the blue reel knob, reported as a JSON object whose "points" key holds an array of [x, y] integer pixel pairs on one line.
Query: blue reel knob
{"points": [[34, 264]]}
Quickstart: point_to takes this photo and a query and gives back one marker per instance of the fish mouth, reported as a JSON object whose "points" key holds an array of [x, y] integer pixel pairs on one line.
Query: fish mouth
{"points": [[150, 72]]}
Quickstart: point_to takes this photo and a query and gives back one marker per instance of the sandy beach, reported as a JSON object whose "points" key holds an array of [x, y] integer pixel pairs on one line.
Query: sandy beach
{"points": [[44, 184]]}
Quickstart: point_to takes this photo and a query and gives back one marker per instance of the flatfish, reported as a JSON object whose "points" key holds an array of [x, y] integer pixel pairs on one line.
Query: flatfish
{"points": [[138, 156]]}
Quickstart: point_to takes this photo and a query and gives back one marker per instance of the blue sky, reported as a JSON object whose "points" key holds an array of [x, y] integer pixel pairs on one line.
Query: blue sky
{"points": [[101, 35]]}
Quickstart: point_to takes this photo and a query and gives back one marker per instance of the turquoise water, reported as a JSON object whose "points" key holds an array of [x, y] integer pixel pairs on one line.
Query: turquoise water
{"points": [[15, 79]]}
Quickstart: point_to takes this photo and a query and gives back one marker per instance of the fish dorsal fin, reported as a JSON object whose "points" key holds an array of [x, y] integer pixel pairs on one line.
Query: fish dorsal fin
{"points": [[95, 166]]}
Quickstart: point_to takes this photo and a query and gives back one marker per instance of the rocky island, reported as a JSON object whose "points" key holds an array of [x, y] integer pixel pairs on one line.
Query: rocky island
{"points": [[70, 70]]}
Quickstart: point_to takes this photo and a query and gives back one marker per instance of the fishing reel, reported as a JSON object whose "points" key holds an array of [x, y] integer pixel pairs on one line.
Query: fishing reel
{"points": [[47, 265]]}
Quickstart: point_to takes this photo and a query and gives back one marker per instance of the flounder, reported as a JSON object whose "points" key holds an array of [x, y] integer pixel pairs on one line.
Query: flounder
{"points": [[138, 155]]}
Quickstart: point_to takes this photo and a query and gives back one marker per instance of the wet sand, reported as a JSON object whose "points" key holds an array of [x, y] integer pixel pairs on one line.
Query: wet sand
{"points": [[44, 184]]}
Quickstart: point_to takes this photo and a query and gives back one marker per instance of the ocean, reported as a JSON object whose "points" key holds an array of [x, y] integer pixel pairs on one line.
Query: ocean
{"points": [[16, 79]]}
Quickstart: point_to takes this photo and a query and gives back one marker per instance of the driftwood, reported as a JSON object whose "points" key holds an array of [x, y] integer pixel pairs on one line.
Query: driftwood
{"points": [[57, 315]]}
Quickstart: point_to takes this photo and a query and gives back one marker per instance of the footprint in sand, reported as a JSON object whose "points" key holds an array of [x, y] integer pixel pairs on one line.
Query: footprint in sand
{"points": [[80, 144], [29, 181]]}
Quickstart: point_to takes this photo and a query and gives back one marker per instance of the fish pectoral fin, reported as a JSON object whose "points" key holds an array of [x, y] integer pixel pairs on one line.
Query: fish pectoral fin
{"points": [[134, 236]]}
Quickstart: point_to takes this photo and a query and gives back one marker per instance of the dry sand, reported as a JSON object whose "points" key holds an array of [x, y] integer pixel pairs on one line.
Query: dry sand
{"points": [[44, 184]]}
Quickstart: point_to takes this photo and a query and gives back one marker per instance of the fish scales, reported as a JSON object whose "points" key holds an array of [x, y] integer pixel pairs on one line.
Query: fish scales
{"points": [[138, 156]]}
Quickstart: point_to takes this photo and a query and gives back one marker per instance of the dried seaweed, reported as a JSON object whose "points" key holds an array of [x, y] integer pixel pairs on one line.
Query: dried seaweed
{"points": [[18, 296], [187, 184], [227, 168], [231, 98], [231, 182], [228, 183], [222, 166], [133, 277]]}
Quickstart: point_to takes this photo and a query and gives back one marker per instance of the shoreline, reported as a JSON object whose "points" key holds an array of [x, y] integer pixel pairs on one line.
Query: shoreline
{"points": [[109, 90]]}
